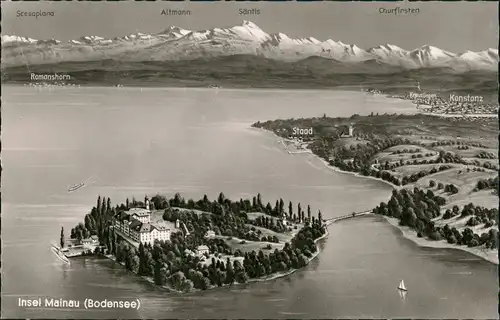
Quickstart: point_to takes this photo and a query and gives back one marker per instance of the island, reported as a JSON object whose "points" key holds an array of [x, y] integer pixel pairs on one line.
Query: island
{"points": [[444, 170], [198, 245]]}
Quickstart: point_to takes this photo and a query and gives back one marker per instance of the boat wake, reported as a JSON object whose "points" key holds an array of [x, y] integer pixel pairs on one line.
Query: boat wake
{"points": [[81, 185]]}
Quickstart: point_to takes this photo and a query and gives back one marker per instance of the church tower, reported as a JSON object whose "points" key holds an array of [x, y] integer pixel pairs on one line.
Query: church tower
{"points": [[351, 131], [146, 202]]}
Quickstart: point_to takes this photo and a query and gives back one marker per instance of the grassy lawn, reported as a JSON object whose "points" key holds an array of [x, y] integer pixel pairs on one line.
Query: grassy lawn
{"points": [[412, 169], [390, 155], [283, 237], [468, 153], [466, 182], [249, 246]]}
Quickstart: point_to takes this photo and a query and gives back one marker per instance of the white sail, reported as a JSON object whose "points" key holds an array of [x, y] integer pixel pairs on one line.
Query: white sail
{"points": [[402, 285]]}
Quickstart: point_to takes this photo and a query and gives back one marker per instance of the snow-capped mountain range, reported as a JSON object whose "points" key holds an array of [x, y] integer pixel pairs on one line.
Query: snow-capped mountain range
{"points": [[176, 43]]}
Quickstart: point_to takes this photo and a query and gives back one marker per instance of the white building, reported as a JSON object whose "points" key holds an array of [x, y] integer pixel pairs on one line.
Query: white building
{"points": [[349, 134], [92, 241], [136, 224], [202, 250], [351, 130]]}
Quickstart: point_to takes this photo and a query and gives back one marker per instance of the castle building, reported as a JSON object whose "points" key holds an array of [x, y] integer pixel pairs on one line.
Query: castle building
{"points": [[136, 224], [350, 133]]}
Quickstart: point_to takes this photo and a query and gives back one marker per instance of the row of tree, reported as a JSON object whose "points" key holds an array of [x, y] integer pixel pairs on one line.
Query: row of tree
{"points": [[449, 188], [167, 264], [96, 222], [417, 209], [491, 183]]}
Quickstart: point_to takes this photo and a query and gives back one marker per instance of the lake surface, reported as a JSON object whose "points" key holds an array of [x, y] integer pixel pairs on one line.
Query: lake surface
{"points": [[131, 142]]}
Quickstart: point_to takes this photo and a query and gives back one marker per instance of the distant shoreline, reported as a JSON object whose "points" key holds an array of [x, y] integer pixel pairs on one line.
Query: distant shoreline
{"points": [[486, 254], [184, 86]]}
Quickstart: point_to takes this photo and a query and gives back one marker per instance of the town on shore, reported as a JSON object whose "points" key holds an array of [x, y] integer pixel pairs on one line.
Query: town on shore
{"points": [[444, 171], [197, 245], [453, 105]]}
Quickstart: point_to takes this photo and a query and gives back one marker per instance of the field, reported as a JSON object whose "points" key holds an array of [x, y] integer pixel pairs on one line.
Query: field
{"points": [[408, 170], [466, 182], [411, 146], [396, 154], [249, 246], [472, 151]]}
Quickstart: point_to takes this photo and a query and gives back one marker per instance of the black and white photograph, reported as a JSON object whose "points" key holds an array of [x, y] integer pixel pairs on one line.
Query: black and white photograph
{"points": [[180, 160]]}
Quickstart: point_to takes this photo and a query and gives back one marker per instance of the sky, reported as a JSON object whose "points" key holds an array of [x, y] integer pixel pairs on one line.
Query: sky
{"points": [[456, 26]]}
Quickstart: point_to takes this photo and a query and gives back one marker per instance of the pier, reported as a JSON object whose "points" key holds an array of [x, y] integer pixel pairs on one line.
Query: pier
{"points": [[347, 216]]}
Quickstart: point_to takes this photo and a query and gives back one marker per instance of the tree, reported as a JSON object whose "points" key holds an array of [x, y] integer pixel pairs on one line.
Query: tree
{"points": [[309, 213], [290, 209], [229, 272], [62, 237], [159, 274], [259, 201], [99, 205], [221, 198], [432, 183]]}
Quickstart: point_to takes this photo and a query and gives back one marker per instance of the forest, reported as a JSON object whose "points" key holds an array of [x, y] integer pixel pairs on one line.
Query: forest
{"points": [[167, 263]]}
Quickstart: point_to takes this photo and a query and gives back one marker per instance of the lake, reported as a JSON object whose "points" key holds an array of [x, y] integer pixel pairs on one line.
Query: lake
{"points": [[129, 142]]}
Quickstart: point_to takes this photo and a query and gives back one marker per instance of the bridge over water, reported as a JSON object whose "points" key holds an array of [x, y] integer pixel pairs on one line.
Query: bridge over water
{"points": [[347, 216]]}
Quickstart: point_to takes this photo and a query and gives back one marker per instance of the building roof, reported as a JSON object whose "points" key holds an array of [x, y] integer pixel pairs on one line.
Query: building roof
{"points": [[160, 226], [122, 216], [202, 248], [94, 237], [145, 228], [141, 212], [135, 225]]}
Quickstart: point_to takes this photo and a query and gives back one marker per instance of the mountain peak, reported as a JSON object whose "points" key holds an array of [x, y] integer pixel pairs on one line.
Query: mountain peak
{"points": [[171, 29], [175, 31], [176, 43], [249, 24], [389, 47], [17, 39]]}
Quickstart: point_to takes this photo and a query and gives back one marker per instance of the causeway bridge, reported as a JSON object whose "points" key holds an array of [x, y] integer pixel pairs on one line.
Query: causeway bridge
{"points": [[347, 216]]}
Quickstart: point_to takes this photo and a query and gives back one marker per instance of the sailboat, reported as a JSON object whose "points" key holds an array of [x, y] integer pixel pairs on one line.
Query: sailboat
{"points": [[402, 286]]}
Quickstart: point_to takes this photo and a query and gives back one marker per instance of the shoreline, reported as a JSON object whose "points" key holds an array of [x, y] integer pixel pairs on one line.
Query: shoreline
{"points": [[485, 254], [181, 87], [410, 234], [255, 280]]}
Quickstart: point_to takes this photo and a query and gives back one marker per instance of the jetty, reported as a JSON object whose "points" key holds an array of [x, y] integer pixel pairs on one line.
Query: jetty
{"points": [[347, 216]]}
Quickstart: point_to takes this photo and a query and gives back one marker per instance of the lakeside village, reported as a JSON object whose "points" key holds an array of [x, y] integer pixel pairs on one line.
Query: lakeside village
{"points": [[445, 186], [188, 245], [453, 106]]}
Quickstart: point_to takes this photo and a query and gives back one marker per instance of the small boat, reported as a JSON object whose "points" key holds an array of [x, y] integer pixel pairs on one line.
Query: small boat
{"points": [[76, 187], [58, 253], [402, 286]]}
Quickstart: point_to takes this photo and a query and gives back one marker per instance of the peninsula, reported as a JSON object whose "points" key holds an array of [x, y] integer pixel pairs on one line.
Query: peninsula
{"points": [[187, 245], [444, 170]]}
